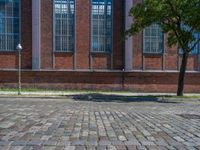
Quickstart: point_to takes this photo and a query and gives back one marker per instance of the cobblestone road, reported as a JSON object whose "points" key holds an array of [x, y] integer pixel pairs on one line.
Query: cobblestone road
{"points": [[80, 123]]}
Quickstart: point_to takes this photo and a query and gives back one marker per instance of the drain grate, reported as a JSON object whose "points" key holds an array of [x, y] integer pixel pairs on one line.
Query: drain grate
{"points": [[189, 116]]}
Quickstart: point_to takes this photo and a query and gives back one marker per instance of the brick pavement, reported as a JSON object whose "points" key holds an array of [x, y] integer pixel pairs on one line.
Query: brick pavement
{"points": [[88, 124]]}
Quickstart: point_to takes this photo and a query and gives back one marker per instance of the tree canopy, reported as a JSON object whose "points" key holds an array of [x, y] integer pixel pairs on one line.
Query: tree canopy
{"points": [[179, 18]]}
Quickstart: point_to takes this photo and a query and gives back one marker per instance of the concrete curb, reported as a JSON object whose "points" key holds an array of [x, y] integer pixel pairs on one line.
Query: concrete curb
{"points": [[97, 95], [6, 93]]}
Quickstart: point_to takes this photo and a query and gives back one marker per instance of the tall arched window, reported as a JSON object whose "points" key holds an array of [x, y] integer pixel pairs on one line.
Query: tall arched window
{"points": [[64, 25], [9, 24], [153, 40], [101, 25], [196, 49]]}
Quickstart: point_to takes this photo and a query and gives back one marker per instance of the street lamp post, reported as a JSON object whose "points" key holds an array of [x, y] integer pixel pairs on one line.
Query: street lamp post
{"points": [[19, 49]]}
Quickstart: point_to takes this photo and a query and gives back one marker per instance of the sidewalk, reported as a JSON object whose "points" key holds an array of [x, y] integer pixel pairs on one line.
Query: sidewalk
{"points": [[69, 93]]}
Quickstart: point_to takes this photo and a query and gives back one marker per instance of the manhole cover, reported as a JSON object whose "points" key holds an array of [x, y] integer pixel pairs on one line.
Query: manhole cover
{"points": [[190, 116]]}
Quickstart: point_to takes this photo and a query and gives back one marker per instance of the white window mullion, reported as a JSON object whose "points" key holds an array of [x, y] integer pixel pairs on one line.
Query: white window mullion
{"points": [[105, 20], [98, 28], [67, 19], [61, 22], [6, 38]]}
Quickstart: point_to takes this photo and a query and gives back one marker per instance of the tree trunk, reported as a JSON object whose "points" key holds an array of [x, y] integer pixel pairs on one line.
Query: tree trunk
{"points": [[182, 74]]}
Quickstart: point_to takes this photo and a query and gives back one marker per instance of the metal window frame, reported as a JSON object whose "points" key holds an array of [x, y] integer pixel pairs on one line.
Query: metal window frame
{"points": [[92, 51], [67, 36], [150, 51], [13, 49]]}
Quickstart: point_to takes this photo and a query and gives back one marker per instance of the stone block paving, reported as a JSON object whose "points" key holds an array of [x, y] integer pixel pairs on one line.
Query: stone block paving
{"points": [[71, 124]]}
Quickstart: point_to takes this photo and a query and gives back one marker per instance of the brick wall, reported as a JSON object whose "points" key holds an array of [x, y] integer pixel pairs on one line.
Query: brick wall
{"points": [[82, 34], [26, 32], [118, 25], [64, 60], [101, 61], [46, 34], [132, 81], [8, 60], [82, 57]]}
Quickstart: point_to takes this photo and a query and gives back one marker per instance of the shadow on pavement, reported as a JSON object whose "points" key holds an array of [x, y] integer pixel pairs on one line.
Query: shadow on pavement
{"points": [[120, 98]]}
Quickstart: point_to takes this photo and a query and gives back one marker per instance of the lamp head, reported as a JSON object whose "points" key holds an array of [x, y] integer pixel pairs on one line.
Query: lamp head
{"points": [[19, 47]]}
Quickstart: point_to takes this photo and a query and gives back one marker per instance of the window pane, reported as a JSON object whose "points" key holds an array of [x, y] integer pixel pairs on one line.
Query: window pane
{"points": [[101, 28], [64, 12], [9, 24], [195, 50], [153, 39]]}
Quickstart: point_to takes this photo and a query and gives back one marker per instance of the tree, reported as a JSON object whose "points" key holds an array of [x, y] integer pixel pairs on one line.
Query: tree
{"points": [[179, 18]]}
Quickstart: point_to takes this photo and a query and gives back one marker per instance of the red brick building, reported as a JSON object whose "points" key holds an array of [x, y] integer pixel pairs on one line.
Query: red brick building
{"points": [[78, 44]]}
